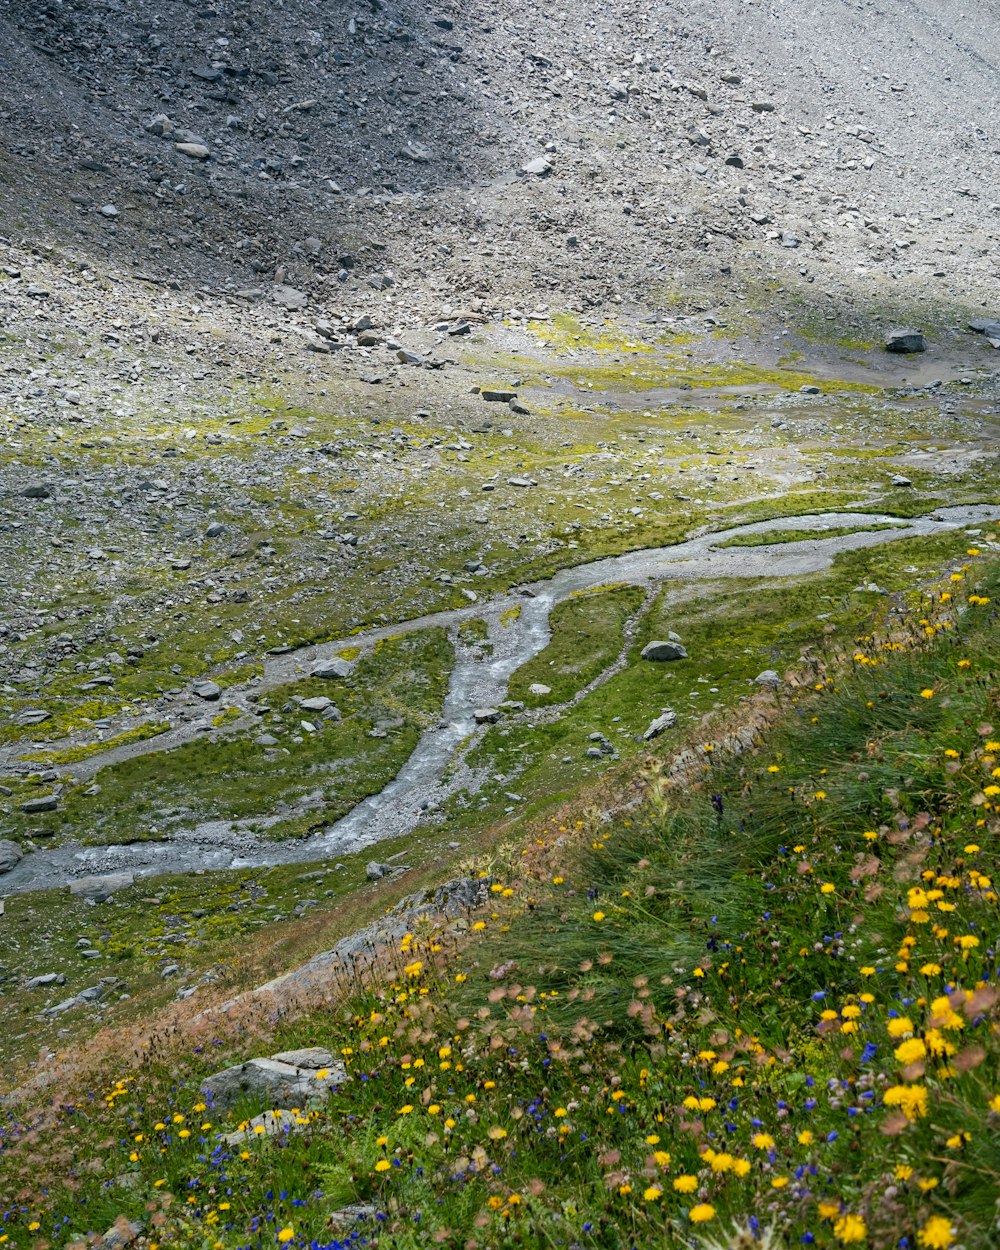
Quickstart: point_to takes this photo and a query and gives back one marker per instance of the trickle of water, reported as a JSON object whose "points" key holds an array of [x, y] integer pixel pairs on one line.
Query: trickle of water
{"points": [[402, 804]]}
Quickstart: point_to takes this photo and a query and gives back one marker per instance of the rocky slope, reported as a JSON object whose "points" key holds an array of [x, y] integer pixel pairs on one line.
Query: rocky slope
{"points": [[339, 147]]}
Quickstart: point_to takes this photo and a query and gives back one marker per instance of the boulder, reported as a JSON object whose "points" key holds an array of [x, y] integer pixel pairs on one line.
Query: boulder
{"points": [[47, 803], [768, 678], [272, 1081], [905, 341], [311, 1057], [207, 690], [667, 721], [486, 715], [10, 855], [990, 328], [333, 667], [318, 704], [538, 688], [664, 650], [101, 888]]}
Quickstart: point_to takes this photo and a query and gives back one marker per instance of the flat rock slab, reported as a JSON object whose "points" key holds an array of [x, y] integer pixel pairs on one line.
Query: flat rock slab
{"points": [[312, 1057], [100, 889], [279, 1084], [47, 803]]}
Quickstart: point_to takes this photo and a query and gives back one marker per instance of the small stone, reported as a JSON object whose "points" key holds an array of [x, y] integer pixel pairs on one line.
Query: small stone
{"points": [[109, 211], [40, 490], [486, 715], [768, 678], [898, 479], [537, 688], [207, 690], [45, 978], [214, 529], [197, 151], [538, 167], [498, 397]]}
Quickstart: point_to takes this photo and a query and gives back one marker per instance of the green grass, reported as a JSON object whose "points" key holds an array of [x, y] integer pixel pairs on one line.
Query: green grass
{"points": [[768, 990], [587, 635], [774, 537], [397, 689]]}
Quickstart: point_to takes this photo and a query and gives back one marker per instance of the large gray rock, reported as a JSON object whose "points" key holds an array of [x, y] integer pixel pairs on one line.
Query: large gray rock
{"points": [[333, 667], [667, 721], [664, 650], [768, 678], [101, 888], [47, 803], [208, 690], [311, 1057], [272, 1081], [905, 341], [10, 855]]}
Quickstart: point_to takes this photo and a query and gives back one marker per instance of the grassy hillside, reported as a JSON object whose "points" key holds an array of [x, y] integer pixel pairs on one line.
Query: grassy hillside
{"points": [[765, 999]]}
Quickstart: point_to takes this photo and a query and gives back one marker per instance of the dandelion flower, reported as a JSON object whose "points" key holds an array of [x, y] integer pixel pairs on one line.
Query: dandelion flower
{"points": [[702, 1212], [926, 693], [686, 1184], [598, 916], [910, 1051], [286, 1234], [653, 1193], [383, 1165], [850, 1229], [937, 1233]]}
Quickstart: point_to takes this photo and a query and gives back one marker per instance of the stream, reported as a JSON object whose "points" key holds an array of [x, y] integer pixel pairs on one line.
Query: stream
{"points": [[434, 770]]}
